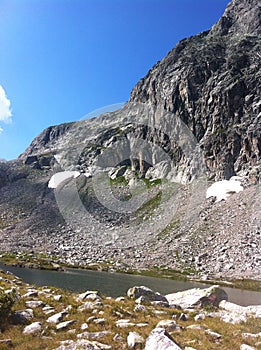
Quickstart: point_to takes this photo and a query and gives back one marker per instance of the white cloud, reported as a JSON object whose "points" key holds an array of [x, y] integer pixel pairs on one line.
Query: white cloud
{"points": [[5, 107]]}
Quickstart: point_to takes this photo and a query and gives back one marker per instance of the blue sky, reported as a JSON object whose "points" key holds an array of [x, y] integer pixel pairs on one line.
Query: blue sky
{"points": [[62, 59]]}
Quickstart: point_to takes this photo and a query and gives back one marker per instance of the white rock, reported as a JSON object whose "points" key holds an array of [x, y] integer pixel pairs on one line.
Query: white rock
{"points": [[251, 335], [124, 323], [32, 328], [34, 303], [169, 325], [118, 299], [133, 339], [84, 326], [57, 297], [89, 305], [246, 347], [88, 295], [64, 325], [56, 318], [159, 339], [139, 308], [99, 321], [213, 334], [93, 335], [199, 317], [197, 297], [32, 293]]}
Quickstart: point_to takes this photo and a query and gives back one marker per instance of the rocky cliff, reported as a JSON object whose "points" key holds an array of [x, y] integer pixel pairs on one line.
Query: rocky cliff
{"points": [[135, 180], [212, 82]]}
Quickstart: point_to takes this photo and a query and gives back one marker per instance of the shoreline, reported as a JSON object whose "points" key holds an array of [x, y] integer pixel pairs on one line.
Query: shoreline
{"points": [[41, 262]]}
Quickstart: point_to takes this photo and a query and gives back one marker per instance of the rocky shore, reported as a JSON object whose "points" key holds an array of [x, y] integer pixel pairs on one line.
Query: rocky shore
{"points": [[50, 318]]}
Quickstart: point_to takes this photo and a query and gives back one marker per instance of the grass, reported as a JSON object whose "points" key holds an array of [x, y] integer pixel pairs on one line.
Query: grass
{"points": [[112, 311]]}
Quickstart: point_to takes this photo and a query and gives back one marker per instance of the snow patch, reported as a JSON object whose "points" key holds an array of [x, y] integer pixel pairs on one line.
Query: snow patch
{"points": [[223, 189], [58, 178]]}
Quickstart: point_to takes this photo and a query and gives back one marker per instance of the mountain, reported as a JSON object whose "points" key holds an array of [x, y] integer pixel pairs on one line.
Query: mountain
{"points": [[130, 185]]}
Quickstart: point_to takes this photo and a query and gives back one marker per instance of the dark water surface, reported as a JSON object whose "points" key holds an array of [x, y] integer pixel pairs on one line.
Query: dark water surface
{"points": [[117, 284]]}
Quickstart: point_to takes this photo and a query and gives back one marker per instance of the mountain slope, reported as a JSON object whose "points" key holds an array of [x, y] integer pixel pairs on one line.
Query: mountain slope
{"points": [[141, 173]]}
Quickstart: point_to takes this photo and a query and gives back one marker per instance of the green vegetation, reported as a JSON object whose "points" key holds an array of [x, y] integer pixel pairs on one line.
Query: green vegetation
{"points": [[120, 180], [7, 301]]}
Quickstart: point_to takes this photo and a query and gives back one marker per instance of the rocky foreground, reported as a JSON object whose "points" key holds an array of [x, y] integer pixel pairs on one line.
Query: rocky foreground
{"points": [[48, 318]]}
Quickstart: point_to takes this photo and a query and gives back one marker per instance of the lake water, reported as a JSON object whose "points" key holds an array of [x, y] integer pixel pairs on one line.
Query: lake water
{"points": [[117, 284]]}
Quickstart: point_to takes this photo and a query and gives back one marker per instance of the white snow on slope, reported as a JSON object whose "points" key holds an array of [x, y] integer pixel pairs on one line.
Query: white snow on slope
{"points": [[223, 189], [58, 178]]}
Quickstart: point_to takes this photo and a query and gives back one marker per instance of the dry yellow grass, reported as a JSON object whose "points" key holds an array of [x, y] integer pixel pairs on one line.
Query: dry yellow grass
{"points": [[49, 338]]}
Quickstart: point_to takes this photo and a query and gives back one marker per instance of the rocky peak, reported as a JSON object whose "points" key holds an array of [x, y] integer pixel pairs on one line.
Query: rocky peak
{"points": [[212, 82], [241, 17]]}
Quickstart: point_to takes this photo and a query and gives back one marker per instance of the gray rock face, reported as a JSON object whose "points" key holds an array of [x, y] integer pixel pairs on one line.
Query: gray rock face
{"points": [[210, 82]]}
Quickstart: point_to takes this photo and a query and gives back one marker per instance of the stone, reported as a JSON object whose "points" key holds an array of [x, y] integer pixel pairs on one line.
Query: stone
{"points": [[82, 344], [34, 327], [196, 297], [119, 299], [140, 308], [160, 303], [93, 335], [183, 317], [213, 334], [169, 325], [34, 303], [99, 320], [88, 295], [142, 291], [84, 326], [64, 325], [196, 327], [89, 305], [56, 318], [22, 316], [30, 294], [118, 337], [251, 335], [124, 323], [48, 310], [57, 297], [134, 339], [199, 317], [246, 347], [140, 325], [252, 310], [159, 339]]}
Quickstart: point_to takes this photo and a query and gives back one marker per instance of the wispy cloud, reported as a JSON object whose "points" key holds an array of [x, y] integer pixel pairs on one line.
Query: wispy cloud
{"points": [[5, 108], [1, 130]]}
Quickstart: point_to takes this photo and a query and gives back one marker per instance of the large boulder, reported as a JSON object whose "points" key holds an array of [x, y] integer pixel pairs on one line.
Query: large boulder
{"points": [[22, 316], [146, 293], [33, 328], [134, 340], [159, 339], [196, 297]]}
